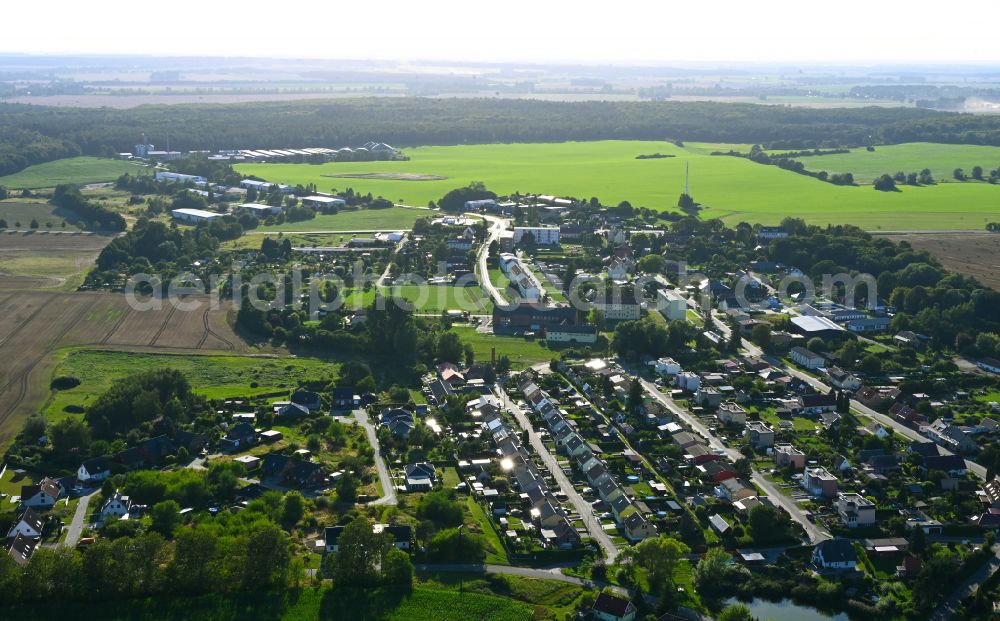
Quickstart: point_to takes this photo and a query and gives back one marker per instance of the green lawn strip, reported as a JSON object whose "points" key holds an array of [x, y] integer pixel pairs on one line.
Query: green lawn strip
{"points": [[498, 554]]}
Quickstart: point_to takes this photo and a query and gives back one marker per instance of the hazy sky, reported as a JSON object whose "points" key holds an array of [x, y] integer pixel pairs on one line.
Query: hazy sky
{"points": [[521, 30]]}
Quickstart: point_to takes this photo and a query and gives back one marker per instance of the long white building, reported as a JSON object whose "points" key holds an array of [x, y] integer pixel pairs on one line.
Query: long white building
{"points": [[544, 235]]}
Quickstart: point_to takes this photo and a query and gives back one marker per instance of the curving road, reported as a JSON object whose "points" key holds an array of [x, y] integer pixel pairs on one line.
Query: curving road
{"points": [[499, 226]]}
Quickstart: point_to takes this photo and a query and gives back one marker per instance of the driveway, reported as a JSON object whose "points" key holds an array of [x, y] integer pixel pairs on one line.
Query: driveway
{"points": [[75, 528], [583, 508], [388, 487]]}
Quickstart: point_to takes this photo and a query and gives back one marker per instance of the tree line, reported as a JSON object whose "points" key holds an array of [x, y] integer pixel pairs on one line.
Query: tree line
{"points": [[30, 134]]}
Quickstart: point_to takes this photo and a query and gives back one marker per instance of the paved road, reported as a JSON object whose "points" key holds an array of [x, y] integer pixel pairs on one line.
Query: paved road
{"points": [[583, 507], [388, 488], [814, 532], [946, 611], [885, 420], [75, 528], [498, 226]]}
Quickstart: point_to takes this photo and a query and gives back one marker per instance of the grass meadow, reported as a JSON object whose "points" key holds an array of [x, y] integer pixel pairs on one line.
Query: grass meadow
{"points": [[215, 376], [80, 170], [389, 219], [733, 189]]}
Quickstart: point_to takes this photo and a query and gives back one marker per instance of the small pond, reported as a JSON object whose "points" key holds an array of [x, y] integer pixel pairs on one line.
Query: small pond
{"points": [[786, 610]]}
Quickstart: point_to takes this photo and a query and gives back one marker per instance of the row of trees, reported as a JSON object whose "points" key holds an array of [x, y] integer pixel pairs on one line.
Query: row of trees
{"points": [[59, 132], [243, 552]]}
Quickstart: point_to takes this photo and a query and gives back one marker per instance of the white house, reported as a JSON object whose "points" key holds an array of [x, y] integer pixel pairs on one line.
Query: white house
{"points": [[94, 470], [855, 510], [28, 525], [666, 366], [118, 505], [41, 495]]}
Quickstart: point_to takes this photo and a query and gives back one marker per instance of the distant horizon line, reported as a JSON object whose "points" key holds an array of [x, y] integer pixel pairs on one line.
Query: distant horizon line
{"points": [[559, 62]]}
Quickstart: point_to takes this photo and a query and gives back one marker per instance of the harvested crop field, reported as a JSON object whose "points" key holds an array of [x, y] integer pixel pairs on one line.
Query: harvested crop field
{"points": [[972, 253], [34, 325], [47, 260]]}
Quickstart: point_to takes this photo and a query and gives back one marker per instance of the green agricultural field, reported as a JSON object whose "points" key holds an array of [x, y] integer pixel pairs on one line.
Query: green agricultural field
{"points": [[942, 159], [390, 219], [215, 376], [71, 170], [733, 189]]}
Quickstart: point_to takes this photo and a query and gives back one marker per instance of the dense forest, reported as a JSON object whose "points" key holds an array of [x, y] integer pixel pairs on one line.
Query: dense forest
{"points": [[34, 133]]}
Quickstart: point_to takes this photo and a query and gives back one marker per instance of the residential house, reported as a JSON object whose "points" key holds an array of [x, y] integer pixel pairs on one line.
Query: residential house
{"points": [[290, 409], [609, 607], [94, 470], [836, 554], [845, 380], [952, 464], [29, 525], [817, 403], [666, 366], [759, 434], [951, 437], [21, 548], [874, 428], [732, 414], [293, 472], [805, 358], [733, 490], [717, 470], [855, 510], [787, 455], [620, 305], [991, 493], [239, 437], [819, 482], [344, 397], [307, 399], [118, 505], [708, 396], [398, 421], [420, 477], [41, 495], [637, 527], [869, 324]]}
